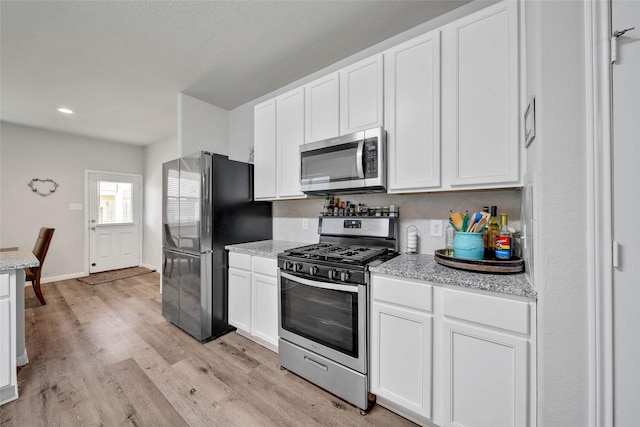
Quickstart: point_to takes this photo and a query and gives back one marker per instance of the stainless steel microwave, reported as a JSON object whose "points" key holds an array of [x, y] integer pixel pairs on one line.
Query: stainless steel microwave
{"points": [[354, 163]]}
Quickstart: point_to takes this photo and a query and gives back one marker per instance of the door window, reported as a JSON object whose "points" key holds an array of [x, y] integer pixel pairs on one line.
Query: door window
{"points": [[115, 202]]}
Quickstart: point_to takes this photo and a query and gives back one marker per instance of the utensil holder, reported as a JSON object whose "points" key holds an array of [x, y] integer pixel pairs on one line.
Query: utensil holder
{"points": [[468, 245]]}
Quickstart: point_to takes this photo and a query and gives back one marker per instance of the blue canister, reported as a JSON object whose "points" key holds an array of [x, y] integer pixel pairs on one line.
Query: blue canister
{"points": [[468, 245]]}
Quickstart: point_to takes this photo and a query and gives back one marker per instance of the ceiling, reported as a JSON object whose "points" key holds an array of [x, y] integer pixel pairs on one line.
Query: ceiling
{"points": [[120, 64]]}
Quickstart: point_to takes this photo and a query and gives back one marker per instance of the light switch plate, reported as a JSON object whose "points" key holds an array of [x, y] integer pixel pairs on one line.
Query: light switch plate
{"points": [[305, 223], [436, 228], [75, 206]]}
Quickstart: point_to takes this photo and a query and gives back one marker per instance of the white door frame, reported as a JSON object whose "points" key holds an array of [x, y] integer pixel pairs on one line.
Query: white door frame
{"points": [[599, 193], [87, 212]]}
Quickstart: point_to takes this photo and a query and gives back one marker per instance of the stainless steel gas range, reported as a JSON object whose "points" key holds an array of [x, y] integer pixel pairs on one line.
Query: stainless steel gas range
{"points": [[324, 303]]}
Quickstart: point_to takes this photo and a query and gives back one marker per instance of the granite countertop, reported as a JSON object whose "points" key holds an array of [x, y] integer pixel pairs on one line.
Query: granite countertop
{"points": [[424, 267], [17, 260], [265, 248]]}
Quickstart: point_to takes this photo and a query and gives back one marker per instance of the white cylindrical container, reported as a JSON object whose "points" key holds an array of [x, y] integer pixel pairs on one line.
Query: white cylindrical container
{"points": [[412, 239]]}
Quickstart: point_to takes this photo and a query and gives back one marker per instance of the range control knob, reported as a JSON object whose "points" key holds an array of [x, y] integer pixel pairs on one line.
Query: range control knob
{"points": [[344, 276], [332, 274], [297, 267], [288, 265], [313, 270]]}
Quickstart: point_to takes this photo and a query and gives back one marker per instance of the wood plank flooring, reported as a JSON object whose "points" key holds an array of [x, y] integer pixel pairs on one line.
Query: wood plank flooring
{"points": [[103, 355]]}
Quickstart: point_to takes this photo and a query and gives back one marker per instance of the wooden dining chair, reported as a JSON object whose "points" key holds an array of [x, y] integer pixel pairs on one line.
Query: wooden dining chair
{"points": [[40, 251]]}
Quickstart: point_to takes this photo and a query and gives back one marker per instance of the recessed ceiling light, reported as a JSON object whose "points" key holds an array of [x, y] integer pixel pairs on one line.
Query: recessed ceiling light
{"points": [[65, 110]]}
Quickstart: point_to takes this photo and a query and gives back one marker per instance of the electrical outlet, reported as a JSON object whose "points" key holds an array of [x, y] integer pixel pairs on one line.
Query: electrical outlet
{"points": [[436, 228], [305, 223]]}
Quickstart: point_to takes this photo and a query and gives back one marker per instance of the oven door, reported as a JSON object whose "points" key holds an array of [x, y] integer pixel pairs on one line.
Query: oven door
{"points": [[326, 318]]}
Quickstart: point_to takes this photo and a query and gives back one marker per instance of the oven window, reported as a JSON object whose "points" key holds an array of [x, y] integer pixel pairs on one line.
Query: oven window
{"points": [[330, 164], [325, 316]]}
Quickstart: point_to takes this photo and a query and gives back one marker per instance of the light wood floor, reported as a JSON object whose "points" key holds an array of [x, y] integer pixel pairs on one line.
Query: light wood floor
{"points": [[103, 355]]}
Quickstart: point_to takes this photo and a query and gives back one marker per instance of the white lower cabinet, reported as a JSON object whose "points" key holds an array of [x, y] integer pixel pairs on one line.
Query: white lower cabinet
{"points": [[8, 377], [240, 299], [253, 298], [265, 301], [485, 377], [450, 357], [402, 345]]}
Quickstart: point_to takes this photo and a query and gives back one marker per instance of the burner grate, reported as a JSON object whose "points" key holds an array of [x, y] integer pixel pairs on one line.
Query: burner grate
{"points": [[338, 253]]}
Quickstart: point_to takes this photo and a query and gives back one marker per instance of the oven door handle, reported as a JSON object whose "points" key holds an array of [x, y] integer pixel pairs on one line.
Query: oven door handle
{"points": [[322, 285]]}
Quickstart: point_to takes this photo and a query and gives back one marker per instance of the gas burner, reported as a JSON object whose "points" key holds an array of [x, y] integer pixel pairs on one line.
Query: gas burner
{"points": [[338, 253]]}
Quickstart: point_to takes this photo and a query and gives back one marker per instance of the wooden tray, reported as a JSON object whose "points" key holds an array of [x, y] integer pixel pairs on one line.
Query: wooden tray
{"points": [[510, 266]]}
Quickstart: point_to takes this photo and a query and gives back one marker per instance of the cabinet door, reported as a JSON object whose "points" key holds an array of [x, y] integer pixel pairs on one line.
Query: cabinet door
{"points": [[8, 376], [401, 354], [485, 377], [361, 95], [264, 140], [290, 135], [412, 111], [322, 107], [265, 308], [480, 94], [240, 299]]}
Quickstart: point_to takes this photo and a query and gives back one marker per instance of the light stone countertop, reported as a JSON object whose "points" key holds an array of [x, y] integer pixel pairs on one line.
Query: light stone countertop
{"points": [[17, 260], [424, 267], [264, 248]]}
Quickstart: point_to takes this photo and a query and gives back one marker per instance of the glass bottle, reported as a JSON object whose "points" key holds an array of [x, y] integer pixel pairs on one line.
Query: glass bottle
{"points": [[492, 230], [485, 235], [503, 240], [449, 235]]}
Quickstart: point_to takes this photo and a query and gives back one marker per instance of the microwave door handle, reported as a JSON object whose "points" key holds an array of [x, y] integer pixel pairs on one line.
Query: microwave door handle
{"points": [[359, 156]]}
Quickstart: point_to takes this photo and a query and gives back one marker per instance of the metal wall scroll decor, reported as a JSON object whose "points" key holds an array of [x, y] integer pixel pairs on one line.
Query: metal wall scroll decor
{"points": [[43, 187]]}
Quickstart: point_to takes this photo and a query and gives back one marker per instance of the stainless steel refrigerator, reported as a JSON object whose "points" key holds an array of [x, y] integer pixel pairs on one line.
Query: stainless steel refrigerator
{"points": [[207, 204]]}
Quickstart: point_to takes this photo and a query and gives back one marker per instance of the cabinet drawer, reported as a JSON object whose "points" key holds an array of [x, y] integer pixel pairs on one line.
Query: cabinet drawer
{"points": [[488, 310], [403, 292], [241, 261], [4, 285], [267, 266]]}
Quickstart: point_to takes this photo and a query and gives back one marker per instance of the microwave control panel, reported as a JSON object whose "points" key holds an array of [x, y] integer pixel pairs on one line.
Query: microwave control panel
{"points": [[371, 158]]}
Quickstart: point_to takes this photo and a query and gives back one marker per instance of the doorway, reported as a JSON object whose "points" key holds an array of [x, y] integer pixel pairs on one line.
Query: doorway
{"points": [[113, 207]]}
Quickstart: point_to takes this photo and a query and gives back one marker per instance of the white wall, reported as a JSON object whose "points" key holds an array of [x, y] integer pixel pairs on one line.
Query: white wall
{"points": [[557, 164], [27, 153], [201, 126], [154, 156], [241, 133]]}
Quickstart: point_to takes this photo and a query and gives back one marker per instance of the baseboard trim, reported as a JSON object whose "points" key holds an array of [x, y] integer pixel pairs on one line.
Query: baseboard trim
{"points": [[22, 359]]}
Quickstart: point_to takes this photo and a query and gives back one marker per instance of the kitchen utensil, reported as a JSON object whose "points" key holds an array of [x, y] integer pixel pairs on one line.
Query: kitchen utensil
{"points": [[456, 220]]}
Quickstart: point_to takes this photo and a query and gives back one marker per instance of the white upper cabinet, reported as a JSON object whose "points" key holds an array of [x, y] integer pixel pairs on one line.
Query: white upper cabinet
{"points": [[480, 98], [412, 114], [290, 135], [361, 95], [264, 139], [322, 108], [448, 99]]}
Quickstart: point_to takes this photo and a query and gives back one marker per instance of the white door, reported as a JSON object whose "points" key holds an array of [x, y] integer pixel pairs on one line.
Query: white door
{"points": [[626, 206], [114, 221]]}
